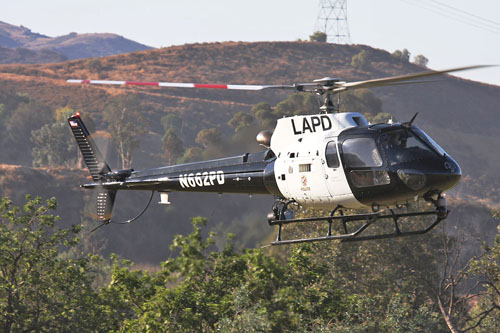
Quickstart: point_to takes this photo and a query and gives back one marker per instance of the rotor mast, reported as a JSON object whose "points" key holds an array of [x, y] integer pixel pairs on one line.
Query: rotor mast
{"points": [[325, 86]]}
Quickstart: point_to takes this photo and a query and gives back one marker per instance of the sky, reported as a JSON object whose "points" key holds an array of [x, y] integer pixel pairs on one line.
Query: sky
{"points": [[450, 33]]}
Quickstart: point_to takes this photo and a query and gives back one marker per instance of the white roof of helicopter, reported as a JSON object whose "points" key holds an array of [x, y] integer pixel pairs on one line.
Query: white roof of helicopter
{"points": [[297, 129]]}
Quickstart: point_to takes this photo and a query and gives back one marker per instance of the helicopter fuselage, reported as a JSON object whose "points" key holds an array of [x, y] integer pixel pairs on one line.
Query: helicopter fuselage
{"points": [[319, 161]]}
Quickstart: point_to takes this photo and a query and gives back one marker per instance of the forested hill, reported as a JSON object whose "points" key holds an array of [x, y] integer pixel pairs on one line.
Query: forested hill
{"points": [[21, 45]]}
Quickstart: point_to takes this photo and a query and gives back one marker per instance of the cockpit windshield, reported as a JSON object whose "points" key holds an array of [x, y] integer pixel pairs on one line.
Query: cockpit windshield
{"points": [[403, 146], [422, 135]]}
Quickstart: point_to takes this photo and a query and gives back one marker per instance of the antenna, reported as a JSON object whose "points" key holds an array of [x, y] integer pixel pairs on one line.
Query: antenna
{"points": [[332, 20]]}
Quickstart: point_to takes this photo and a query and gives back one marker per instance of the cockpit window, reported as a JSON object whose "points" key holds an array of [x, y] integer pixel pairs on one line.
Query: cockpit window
{"points": [[366, 178], [403, 146], [361, 152], [332, 160]]}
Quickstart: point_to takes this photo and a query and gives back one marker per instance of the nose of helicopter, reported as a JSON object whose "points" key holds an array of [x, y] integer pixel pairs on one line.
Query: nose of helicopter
{"points": [[449, 176], [439, 175]]}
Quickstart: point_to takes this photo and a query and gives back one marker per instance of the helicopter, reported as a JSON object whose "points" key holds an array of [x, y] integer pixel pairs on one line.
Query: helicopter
{"points": [[335, 161]]}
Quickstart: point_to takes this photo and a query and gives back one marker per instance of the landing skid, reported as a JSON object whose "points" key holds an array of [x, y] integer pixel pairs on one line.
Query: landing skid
{"points": [[358, 234]]}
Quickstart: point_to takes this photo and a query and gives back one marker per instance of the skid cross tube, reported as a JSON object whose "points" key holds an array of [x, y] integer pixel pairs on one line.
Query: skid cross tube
{"points": [[370, 218]]}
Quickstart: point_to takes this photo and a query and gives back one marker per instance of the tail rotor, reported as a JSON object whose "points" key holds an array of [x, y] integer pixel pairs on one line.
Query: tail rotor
{"points": [[97, 166]]}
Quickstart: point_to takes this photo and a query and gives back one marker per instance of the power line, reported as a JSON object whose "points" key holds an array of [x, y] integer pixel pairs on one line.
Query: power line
{"points": [[466, 13], [461, 16], [465, 18]]}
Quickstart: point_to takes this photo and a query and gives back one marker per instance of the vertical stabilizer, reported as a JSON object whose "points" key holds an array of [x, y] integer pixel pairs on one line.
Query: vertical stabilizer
{"points": [[96, 164], [91, 154]]}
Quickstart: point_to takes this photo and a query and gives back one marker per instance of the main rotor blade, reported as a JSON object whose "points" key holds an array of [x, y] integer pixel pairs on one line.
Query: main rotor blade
{"points": [[185, 85], [329, 85], [341, 86], [412, 82]]}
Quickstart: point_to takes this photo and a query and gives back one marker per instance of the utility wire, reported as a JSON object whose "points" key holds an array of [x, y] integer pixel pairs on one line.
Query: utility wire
{"points": [[467, 13], [470, 18], [465, 17], [459, 17], [455, 16]]}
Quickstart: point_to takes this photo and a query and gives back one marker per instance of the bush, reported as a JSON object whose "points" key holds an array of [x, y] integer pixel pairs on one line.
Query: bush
{"points": [[360, 60], [94, 65], [318, 36], [420, 60], [42, 290], [403, 55]]}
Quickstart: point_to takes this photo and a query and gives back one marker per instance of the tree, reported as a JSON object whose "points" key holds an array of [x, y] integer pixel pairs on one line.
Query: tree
{"points": [[485, 317], [318, 36], [62, 114], [42, 288], [449, 294], [297, 104], [240, 121], [204, 290], [208, 137], [264, 115], [11, 142], [126, 126], [420, 60], [361, 100], [173, 146], [403, 55], [383, 278], [26, 118], [192, 154], [172, 120], [53, 146], [3, 119], [360, 60]]}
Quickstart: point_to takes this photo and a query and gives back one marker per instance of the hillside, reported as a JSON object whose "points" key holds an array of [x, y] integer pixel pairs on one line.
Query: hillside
{"points": [[459, 114], [26, 56], [13, 36], [28, 47]]}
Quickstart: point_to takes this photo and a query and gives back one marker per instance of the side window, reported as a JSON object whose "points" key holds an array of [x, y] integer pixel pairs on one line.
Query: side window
{"points": [[332, 159], [305, 167], [365, 178], [361, 152]]}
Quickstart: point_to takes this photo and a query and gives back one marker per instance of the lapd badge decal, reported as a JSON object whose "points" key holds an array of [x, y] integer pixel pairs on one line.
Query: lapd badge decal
{"points": [[303, 181]]}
